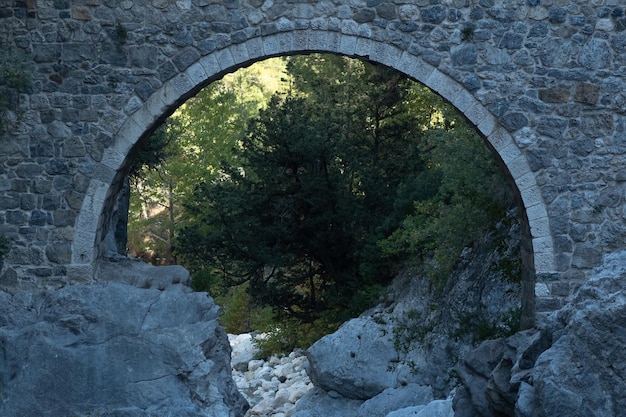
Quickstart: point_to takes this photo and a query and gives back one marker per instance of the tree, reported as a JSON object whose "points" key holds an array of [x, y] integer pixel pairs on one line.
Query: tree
{"points": [[186, 150], [471, 197], [300, 214], [334, 185]]}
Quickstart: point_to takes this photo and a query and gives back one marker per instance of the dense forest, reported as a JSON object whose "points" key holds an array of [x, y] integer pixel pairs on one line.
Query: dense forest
{"points": [[296, 189]]}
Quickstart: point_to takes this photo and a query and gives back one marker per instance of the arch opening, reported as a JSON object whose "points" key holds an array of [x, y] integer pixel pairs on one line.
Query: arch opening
{"points": [[94, 216]]}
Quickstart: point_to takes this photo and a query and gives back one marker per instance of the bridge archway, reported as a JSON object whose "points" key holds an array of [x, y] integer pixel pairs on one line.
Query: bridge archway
{"points": [[92, 221]]}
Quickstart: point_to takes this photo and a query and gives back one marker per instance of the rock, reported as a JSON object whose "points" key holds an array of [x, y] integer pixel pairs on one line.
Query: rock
{"points": [[110, 349], [321, 403], [474, 371], [243, 351], [272, 387], [394, 398], [462, 404], [354, 361], [492, 374], [574, 366], [137, 273], [417, 335], [437, 408], [583, 373], [525, 405]]}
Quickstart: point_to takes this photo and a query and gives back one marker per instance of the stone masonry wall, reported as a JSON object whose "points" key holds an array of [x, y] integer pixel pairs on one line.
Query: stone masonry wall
{"points": [[543, 81]]}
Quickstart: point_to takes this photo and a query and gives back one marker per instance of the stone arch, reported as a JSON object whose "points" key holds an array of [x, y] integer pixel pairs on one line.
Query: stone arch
{"points": [[87, 240]]}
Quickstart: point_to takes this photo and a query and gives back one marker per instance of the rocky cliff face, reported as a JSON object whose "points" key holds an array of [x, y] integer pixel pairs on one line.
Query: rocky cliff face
{"points": [[139, 343], [114, 349], [402, 353], [573, 366], [385, 362]]}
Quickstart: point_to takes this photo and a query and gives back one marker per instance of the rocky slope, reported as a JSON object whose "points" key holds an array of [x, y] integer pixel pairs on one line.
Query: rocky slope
{"points": [[140, 343], [424, 345], [574, 366], [419, 333]]}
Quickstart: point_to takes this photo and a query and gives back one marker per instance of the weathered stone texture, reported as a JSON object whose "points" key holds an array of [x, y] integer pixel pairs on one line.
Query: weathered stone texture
{"points": [[115, 350], [548, 74], [572, 366]]}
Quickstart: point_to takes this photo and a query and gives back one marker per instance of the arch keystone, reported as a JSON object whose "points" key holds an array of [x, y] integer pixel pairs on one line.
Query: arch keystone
{"points": [[319, 40]]}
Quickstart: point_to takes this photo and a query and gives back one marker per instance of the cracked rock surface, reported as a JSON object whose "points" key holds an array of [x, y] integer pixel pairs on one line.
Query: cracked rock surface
{"points": [[111, 349]]}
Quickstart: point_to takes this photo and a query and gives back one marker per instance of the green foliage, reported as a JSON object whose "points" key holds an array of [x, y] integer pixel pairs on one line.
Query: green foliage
{"points": [[467, 33], [312, 190], [121, 33], [309, 201], [471, 197], [509, 264], [480, 328], [15, 73], [410, 328], [240, 314], [288, 334], [187, 150]]}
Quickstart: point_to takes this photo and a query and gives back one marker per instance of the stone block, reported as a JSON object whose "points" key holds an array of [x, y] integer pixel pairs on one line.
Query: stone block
{"points": [[224, 59], [414, 67], [16, 217], [560, 289], [9, 202], [60, 253], [64, 218], [28, 202], [29, 170], [548, 304], [554, 95], [465, 54], [586, 256]]}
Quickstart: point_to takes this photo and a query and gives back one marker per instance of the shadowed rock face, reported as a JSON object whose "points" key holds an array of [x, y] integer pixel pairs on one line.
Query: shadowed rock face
{"points": [[396, 358], [114, 349], [574, 366]]}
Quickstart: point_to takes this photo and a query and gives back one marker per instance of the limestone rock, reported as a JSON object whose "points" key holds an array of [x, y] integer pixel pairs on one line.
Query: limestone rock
{"points": [[321, 403], [272, 387], [493, 373], [354, 361], [110, 349], [394, 398], [573, 367], [417, 335], [437, 408], [137, 273], [583, 373], [243, 351]]}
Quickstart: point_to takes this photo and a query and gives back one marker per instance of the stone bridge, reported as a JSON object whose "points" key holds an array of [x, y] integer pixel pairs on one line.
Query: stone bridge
{"points": [[544, 81]]}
